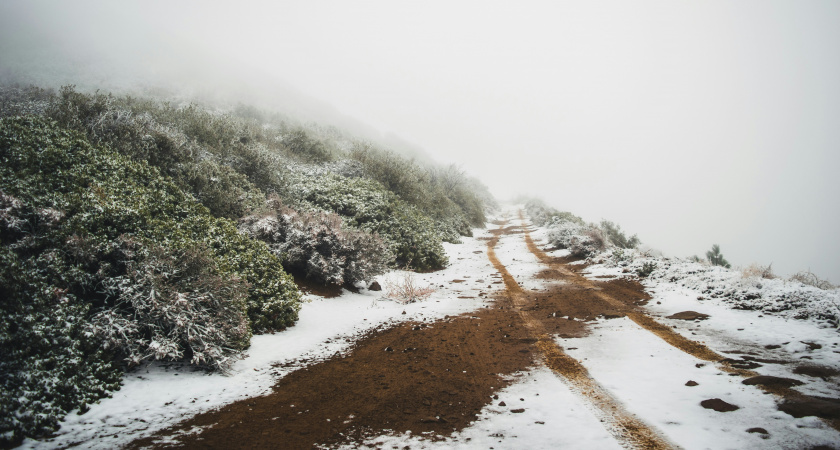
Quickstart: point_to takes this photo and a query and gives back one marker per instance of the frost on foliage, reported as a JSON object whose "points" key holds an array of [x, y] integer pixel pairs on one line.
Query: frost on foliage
{"points": [[174, 307], [318, 245], [785, 298], [364, 204], [104, 261]]}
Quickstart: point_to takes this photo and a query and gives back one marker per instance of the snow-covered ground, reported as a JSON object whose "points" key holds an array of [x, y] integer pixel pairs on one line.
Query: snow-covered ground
{"points": [[640, 371]]}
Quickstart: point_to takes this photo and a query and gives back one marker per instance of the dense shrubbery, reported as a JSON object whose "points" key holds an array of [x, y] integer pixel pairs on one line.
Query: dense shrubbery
{"points": [[318, 245], [454, 201], [108, 260], [367, 205], [104, 260]]}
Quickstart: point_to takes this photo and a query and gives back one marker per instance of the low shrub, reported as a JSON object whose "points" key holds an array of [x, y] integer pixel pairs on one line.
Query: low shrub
{"points": [[616, 236], [646, 269], [365, 204], [808, 278], [406, 289], [318, 245]]}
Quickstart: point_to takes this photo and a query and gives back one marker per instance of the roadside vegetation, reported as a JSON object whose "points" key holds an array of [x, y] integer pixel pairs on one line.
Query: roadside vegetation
{"points": [[755, 287], [140, 229]]}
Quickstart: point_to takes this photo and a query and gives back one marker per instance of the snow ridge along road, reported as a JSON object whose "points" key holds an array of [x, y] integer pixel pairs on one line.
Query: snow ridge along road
{"points": [[627, 429]]}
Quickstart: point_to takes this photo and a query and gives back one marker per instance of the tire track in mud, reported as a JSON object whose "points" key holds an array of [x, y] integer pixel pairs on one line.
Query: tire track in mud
{"points": [[664, 332], [626, 428]]}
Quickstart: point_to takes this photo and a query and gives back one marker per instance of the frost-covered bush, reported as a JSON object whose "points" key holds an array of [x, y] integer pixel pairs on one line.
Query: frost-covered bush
{"points": [[785, 298], [365, 204], [543, 215], [616, 236], [173, 306], [96, 246], [318, 245], [808, 278]]}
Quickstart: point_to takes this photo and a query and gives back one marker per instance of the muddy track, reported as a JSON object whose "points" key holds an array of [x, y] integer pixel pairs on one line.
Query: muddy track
{"points": [[626, 428], [624, 296]]}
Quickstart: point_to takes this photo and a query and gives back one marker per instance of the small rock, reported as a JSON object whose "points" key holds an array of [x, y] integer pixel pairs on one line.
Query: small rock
{"points": [[692, 383], [389, 349], [772, 346], [718, 405], [689, 315], [757, 430], [403, 312], [427, 402], [539, 422], [502, 404], [375, 286], [518, 410]]}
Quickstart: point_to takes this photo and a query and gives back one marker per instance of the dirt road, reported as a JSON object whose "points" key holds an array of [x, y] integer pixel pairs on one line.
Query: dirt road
{"points": [[434, 378]]}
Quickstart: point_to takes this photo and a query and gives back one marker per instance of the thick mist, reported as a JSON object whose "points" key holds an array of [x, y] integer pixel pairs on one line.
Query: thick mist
{"points": [[688, 123]]}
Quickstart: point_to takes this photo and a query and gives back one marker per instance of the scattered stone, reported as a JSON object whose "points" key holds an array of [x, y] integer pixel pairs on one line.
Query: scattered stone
{"points": [[826, 408], [718, 405], [502, 403], [772, 346], [389, 349], [757, 430], [539, 422], [375, 286], [692, 383], [403, 312], [689, 315], [427, 402], [518, 410], [771, 381]]}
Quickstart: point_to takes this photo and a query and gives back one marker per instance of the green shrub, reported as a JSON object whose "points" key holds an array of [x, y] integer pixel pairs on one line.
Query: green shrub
{"points": [[87, 235], [366, 204], [715, 257], [318, 245], [617, 237], [646, 269]]}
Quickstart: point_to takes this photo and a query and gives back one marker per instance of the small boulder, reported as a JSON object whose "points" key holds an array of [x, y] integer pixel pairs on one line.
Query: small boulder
{"points": [[689, 315], [375, 286], [692, 383], [718, 405]]}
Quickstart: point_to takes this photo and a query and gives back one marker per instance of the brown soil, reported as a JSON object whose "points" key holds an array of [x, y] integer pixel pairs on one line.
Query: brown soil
{"points": [[424, 378]]}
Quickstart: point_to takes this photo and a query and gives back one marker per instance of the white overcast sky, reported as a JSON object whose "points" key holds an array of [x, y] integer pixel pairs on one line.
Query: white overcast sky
{"points": [[689, 123]]}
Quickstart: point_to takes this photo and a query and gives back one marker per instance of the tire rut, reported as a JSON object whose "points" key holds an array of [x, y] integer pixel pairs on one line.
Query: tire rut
{"points": [[626, 428], [664, 332]]}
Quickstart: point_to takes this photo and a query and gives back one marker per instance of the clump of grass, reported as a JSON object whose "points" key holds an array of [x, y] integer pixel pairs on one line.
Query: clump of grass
{"points": [[810, 279], [406, 289], [758, 271]]}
